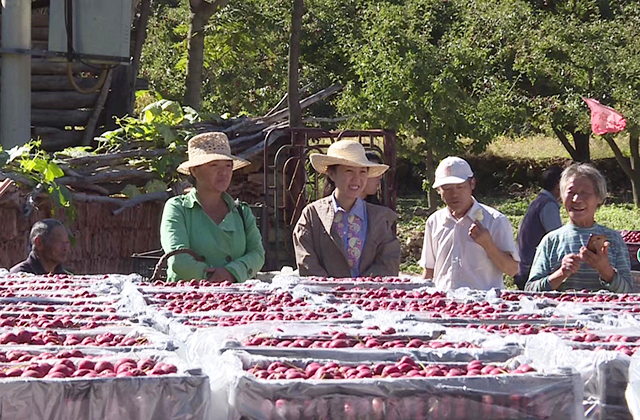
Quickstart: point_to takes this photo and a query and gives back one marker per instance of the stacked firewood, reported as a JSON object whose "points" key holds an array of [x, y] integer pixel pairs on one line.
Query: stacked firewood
{"points": [[109, 177]]}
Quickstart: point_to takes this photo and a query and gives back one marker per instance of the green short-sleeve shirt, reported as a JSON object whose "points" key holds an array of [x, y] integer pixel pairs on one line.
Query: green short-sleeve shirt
{"points": [[232, 244]]}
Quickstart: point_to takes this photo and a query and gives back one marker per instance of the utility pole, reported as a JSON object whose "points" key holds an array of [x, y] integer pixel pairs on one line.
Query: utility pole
{"points": [[15, 78], [295, 114]]}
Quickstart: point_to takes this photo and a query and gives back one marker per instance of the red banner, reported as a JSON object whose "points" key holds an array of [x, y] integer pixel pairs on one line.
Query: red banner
{"points": [[604, 119]]}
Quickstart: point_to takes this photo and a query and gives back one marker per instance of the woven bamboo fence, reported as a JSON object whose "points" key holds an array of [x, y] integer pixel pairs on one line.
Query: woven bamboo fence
{"points": [[102, 242]]}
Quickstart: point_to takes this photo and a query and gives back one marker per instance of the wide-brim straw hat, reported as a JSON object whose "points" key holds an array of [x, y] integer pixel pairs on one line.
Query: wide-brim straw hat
{"points": [[349, 153], [207, 147]]}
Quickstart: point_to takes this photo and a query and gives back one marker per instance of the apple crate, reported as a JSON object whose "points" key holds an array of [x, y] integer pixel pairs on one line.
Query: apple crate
{"points": [[501, 397], [593, 410], [402, 283], [358, 355], [174, 397], [609, 380], [349, 347], [633, 248], [635, 277], [214, 321], [368, 285], [465, 322], [116, 339]]}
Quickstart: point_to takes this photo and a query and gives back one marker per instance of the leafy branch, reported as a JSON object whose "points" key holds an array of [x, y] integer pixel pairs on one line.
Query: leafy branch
{"points": [[40, 169]]}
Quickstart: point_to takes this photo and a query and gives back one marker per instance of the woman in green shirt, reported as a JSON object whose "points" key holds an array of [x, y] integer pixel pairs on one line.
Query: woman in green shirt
{"points": [[208, 221]]}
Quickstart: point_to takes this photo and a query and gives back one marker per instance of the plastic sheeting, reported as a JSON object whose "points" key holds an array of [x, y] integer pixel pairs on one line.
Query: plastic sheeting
{"points": [[633, 388], [555, 395], [493, 350], [357, 355], [173, 397], [287, 281], [604, 373]]}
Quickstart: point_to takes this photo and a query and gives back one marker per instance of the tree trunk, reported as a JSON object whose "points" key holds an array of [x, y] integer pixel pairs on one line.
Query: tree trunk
{"points": [[140, 37], [295, 113], [581, 141], [630, 166], [432, 194], [579, 151], [634, 146], [565, 141], [195, 41], [201, 12]]}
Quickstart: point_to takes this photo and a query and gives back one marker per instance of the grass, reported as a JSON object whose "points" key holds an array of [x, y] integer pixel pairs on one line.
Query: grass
{"points": [[614, 216], [550, 147], [407, 225]]}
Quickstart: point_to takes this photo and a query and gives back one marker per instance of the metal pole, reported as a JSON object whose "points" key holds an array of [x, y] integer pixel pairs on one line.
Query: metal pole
{"points": [[15, 79]]}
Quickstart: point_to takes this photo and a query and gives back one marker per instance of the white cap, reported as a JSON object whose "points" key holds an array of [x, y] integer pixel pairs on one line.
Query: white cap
{"points": [[452, 170]]}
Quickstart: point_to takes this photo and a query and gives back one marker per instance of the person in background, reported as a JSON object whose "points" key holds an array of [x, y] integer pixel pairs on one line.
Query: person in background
{"points": [[342, 235], [542, 216], [371, 193], [208, 221], [50, 247], [466, 244], [562, 260]]}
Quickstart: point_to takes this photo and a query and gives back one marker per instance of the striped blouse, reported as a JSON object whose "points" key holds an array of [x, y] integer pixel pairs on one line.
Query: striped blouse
{"points": [[568, 239]]}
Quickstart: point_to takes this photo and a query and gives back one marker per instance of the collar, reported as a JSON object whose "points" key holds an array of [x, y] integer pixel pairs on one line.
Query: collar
{"points": [[359, 208], [470, 213], [191, 198], [548, 194], [576, 228], [36, 265]]}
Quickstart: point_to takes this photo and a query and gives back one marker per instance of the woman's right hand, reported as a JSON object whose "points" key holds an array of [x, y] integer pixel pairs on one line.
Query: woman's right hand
{"points": [[218, 275], [570, 265]]}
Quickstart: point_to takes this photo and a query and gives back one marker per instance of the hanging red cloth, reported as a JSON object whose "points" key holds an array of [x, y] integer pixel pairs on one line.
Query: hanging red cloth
{"points": [[604, 119]]}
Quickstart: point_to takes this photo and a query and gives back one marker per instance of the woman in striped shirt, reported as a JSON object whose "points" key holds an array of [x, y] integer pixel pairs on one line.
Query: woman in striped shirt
{"points": [[562, 260]]}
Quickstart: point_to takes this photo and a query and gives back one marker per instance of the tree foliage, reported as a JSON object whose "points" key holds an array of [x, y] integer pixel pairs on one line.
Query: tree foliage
{"points": [[452, 74]]}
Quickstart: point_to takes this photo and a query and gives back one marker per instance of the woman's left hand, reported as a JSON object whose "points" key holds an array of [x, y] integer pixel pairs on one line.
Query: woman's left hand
{"points": [[599, 260], [220, 274]]}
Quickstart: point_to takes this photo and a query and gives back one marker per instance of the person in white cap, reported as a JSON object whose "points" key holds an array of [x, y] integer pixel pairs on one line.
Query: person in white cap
{"points": [[466, 244], [208, 221], [341, 235]]}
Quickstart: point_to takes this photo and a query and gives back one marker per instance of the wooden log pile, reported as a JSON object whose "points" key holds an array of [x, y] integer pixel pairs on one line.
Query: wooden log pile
{"points": [[103, 178], [60, 115]]}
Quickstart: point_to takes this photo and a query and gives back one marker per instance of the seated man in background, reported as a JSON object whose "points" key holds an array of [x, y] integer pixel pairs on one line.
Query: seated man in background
{"points": [[466, 244], [50, 247], [542, 216]]}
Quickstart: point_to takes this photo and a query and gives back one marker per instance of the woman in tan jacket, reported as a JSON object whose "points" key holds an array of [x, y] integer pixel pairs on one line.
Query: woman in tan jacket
{"points": [[342, 235]]}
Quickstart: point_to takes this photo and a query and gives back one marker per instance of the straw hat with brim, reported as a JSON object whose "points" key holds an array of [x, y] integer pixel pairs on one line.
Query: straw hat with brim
{"points": [[207, 147], [348, 153]]}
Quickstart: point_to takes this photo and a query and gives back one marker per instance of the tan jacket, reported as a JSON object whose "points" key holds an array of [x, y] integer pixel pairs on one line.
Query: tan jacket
{"points": [[320, 253]]}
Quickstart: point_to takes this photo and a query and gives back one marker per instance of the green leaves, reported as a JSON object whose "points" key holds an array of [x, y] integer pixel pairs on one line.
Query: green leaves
{"points": [[155, 185], [164, 124], [52, 171], [131, 191], [40, 167], [17, 151], [160, 122]]}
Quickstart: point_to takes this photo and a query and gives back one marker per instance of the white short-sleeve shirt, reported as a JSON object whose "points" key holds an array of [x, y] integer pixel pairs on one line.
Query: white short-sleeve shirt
{"points": [[457, 260]]}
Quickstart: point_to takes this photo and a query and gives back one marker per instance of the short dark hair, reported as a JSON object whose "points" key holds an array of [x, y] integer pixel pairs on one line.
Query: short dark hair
{"points": [[42, 229], [551, 177], [373, 157], [328, 186]]}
